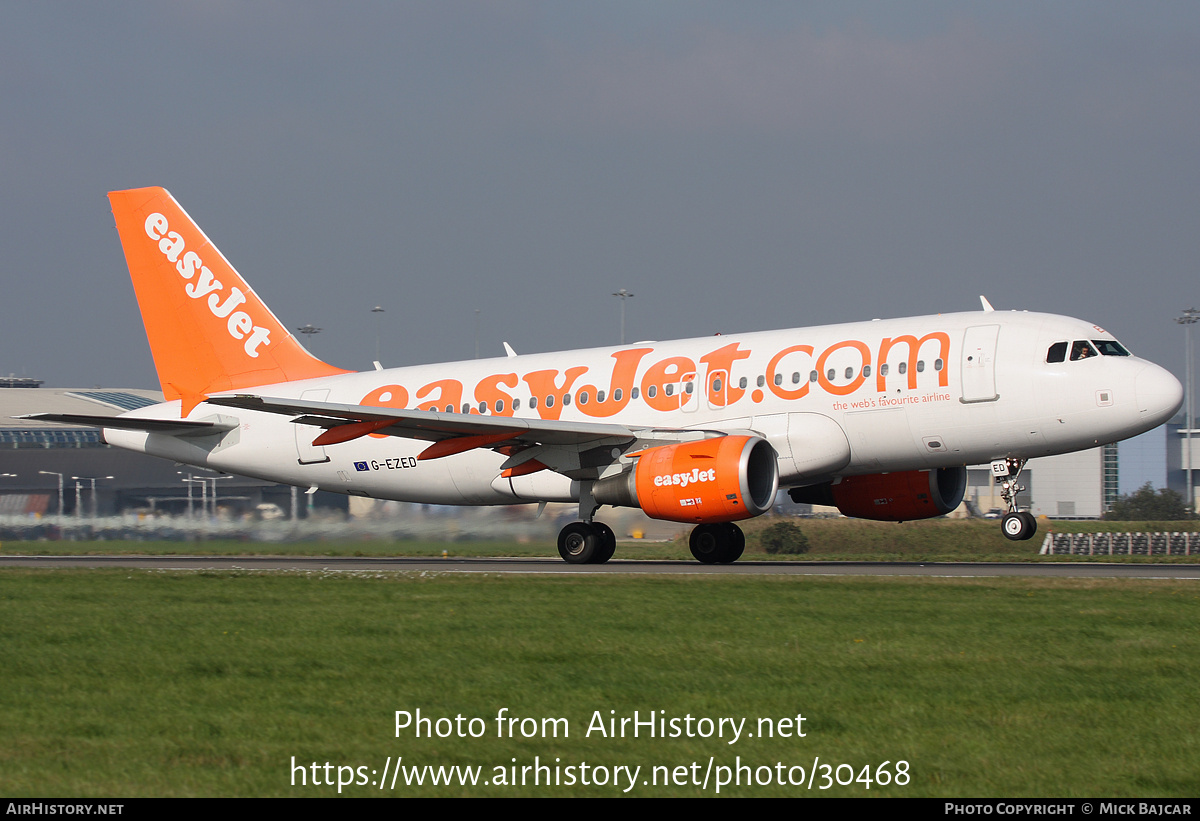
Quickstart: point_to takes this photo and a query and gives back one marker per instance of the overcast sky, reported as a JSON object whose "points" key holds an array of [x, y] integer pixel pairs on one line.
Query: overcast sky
{"points": [[737, 165]]}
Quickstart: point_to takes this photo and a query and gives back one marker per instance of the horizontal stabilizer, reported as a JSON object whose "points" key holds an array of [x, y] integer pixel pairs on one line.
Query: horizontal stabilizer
{"points": [[172, 427]]}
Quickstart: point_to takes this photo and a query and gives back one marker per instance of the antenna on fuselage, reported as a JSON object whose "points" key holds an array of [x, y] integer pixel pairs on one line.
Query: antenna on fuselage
{"points": [[987, 306]]}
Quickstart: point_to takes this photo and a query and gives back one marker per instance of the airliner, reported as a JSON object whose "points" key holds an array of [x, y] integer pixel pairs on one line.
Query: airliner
{"points": [[879, 418]]}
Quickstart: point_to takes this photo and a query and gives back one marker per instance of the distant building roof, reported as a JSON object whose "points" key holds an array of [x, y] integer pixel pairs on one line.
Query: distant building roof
{"points": [[90, 401]]}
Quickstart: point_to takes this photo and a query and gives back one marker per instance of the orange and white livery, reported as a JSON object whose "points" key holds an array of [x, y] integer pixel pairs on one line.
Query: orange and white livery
{"points": [[879, 418]]}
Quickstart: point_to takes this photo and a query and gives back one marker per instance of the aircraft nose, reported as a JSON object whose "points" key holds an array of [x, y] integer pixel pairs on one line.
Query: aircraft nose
{"points": [[1158, 392]]}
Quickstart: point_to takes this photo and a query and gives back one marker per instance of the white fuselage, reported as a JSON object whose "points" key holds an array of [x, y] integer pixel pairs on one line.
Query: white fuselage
{"points": [[838, 400]]}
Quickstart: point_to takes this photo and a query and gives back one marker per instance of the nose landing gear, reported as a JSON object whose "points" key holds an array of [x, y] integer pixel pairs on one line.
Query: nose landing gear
{"points": [[1016, 525], [1019, 526]]}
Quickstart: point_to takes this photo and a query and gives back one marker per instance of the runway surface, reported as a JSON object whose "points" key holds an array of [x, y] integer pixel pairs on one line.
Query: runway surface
{"points": [[557, 567]]}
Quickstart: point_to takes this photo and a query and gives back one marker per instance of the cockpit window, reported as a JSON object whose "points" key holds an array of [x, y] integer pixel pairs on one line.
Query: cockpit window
{"points": [[1057, 352], [1080, 349], [1110, 347]]}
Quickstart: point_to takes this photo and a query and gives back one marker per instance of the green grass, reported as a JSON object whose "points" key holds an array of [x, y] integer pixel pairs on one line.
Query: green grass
{"points": [[830, 539], [128, 683], [941, 540]]}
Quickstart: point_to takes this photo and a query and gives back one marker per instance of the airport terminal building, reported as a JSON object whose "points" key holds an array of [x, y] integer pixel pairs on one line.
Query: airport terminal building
{"points": [[47, 468]]}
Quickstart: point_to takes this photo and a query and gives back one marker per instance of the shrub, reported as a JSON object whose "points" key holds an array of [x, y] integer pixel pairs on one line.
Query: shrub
{"points": [[784, 537], [1165, 505]]}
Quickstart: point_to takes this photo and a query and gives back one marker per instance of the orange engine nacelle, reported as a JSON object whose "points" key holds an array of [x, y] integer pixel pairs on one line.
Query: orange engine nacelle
{"points": [[709, 480], [901, 497]]}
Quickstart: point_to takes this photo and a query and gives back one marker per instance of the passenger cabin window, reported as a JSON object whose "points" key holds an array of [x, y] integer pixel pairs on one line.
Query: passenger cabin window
{"points": [[1081, 349], [1057, 352], [1110, 347]]}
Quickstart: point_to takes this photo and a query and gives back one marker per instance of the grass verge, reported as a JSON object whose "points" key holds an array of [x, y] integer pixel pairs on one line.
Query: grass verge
{"points": [[120, 683], [945, 540]]}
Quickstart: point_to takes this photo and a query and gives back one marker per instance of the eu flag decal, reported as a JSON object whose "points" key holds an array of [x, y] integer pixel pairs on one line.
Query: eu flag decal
{"points": [[361, 466]]}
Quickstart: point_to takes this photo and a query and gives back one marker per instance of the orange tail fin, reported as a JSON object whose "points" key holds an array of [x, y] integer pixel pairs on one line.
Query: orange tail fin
{"points": [[208, 331]]}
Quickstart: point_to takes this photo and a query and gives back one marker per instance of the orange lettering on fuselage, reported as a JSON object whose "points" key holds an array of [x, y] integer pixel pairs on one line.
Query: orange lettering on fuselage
{"points": [[854, 384], [619, 386], [664, 383], [720, 365], [914, 352], [488, 390], [661, 386], [544, 384], [449, 395], [777, 386]]}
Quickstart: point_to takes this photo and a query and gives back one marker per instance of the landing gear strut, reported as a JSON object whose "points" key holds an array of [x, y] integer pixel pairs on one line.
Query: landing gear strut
{"points": [[587, 543], [717, 543], [1016, 525]]}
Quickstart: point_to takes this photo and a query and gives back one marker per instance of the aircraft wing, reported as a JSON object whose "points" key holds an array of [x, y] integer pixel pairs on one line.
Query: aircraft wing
{"points": [[577, 449], [431, 426]]}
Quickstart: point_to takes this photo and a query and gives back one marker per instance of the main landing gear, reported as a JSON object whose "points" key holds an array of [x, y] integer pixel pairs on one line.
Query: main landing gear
{"points": [[595, 543], [720, 543], [1016, 525], [592, 542], [587, 543]]}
